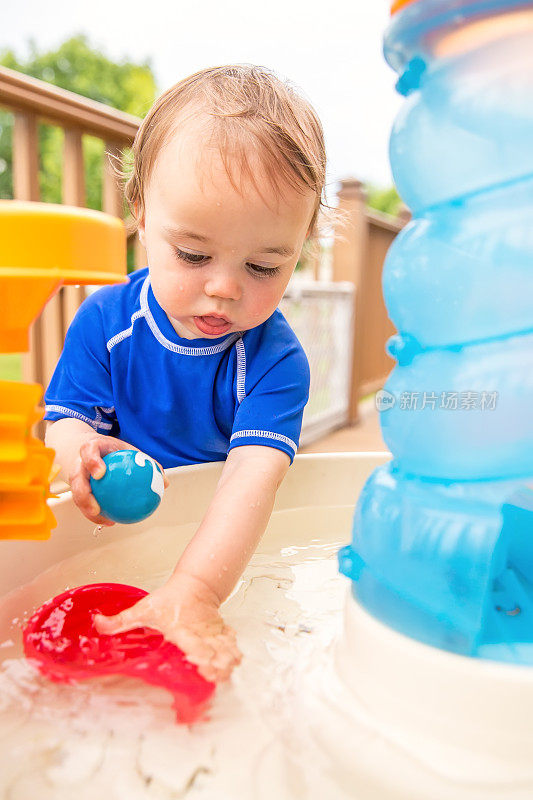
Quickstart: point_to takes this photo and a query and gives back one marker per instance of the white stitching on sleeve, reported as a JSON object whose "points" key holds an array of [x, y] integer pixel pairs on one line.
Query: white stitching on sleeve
{"points": [[241, 370], [278, 437], [68, 412]]}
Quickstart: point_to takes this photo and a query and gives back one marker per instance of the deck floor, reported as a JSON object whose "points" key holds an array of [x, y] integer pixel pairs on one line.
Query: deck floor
{"points": [[365, 436]]}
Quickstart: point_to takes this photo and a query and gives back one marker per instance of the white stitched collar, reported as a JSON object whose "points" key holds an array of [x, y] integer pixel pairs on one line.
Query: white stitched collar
{"points": [[178, 348]]}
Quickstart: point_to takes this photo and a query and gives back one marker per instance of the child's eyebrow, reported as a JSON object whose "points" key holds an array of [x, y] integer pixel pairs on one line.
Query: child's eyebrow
{"points": [[280, 251], [184, 232]]}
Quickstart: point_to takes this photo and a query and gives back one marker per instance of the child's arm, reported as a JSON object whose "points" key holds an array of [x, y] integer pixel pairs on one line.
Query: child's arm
{"points": [[236, 518], [185, 609], [79, 451]]}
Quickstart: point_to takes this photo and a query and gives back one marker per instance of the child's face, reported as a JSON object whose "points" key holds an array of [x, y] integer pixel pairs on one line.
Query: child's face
{"points": [[208, 244]]}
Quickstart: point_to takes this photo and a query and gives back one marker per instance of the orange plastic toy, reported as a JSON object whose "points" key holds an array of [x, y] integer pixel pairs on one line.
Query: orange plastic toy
{"points": [[398, 4], [42, 247]]}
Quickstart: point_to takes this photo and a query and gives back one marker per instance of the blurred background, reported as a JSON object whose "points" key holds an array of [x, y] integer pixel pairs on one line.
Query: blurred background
{"points": [[122, 55], [126, 53]]}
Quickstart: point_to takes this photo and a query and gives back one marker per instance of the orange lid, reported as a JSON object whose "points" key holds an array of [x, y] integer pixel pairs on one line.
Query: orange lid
{"points": [[397, 4]]}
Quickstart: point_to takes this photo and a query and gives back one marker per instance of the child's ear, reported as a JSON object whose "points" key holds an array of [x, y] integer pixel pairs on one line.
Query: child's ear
{"points": [[141, 231]]}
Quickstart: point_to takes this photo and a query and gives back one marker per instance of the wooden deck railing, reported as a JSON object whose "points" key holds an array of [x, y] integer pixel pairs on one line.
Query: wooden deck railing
{"points": [[32, 102], [358, 252]]}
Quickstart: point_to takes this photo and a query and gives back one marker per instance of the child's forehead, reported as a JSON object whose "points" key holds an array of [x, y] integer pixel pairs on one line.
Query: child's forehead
{"points": [[193, 145], [193, 157]]}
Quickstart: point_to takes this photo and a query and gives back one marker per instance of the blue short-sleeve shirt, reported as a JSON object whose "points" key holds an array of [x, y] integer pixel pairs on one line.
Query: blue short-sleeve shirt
{"points": [[125, 371]]}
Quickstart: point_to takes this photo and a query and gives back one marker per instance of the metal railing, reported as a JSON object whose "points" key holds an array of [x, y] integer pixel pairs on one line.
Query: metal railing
{"points": [[322, 316]]}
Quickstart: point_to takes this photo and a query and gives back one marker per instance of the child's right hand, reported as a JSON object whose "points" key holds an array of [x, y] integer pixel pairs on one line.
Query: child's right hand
{"points": [[90, 463], [187, 612]]}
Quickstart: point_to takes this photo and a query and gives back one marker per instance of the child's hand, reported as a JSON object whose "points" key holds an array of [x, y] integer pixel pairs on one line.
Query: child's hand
{"points": [[90, 463], [186, 612]]}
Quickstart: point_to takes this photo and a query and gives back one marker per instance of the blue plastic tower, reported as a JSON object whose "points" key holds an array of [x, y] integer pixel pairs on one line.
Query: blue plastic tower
{"points": [[442, 546]]}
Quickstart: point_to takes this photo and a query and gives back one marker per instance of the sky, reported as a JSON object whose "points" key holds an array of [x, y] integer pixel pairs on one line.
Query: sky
{"points": [[331, 50]]}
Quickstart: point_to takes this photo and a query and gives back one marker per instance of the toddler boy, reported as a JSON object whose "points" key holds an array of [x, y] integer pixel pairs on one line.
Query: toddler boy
{"points": [[190, 361]]}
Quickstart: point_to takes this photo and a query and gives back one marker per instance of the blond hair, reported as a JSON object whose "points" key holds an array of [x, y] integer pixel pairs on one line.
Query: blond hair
{"points": [[252, 113]]}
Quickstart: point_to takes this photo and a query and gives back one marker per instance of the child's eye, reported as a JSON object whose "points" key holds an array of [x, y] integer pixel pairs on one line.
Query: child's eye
{"points": [[196, 258], [263, 272], [190, 258]]}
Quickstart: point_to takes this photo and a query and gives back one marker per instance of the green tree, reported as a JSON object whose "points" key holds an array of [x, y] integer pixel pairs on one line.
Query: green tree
{"points": [[78, 67], [387, 200]]}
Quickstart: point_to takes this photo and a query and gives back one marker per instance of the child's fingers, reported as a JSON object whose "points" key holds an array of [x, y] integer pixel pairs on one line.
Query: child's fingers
{"points": [[92, 453], [210, 673], [217, 669], [166, 482], [214, 656], [119, 623], [91, 458], [224, 662], [197, 649], [84, 498], [108, 444], [82, 495], [141, 614], [232, 647], [227, 654]]}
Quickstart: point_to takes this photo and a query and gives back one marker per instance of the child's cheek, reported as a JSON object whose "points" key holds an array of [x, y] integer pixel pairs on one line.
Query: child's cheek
{"points": [[178, 292], [263, 300], [185, 294], [183, 282]]}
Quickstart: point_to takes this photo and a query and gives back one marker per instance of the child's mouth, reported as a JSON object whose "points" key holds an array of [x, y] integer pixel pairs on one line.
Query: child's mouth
{"points": [[212, 326]]}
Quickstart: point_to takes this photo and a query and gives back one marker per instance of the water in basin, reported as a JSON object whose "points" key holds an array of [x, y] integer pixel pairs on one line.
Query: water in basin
{"points": [[118, 736]]}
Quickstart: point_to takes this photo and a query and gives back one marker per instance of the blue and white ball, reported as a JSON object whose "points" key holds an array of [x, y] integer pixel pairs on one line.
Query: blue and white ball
{"points": [[131, 488]]}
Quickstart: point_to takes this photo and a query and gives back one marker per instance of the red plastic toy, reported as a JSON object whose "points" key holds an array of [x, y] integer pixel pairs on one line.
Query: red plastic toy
{"points": [[62, 638]]}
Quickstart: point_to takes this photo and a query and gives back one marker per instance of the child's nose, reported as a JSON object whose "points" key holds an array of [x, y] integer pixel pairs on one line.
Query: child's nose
{"points": [[223, 284]]}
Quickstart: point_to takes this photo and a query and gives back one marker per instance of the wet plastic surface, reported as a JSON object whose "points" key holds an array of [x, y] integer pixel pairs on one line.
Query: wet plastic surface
{"points": [[62, 638]]}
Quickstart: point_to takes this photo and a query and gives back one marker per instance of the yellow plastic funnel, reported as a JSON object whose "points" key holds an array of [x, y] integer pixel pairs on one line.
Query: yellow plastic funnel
{"points": [[42, 247], [45, 246]]}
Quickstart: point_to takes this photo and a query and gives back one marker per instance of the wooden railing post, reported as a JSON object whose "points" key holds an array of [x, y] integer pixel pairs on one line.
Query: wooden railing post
{"points": [[404, 215], [25, 156], [26, 187], [112, 195], [350, 233], [113, 201], [60, 309], [73, 195], [349, 253]]}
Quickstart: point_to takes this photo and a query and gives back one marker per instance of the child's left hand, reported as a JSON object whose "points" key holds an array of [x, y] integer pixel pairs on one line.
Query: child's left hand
{"points": [[186, 612]]}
